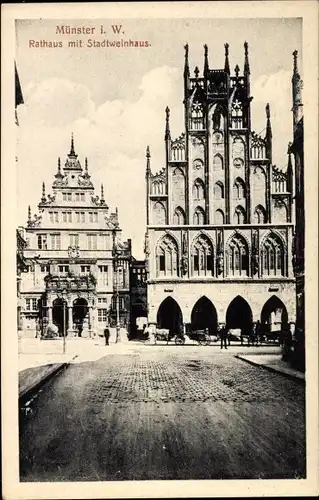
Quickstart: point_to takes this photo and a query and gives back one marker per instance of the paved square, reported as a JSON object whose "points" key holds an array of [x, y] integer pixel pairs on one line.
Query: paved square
{"points": [[165, 413]]}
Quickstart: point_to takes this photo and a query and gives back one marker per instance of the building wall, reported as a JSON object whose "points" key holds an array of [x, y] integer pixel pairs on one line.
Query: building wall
{"points": [[219, 214], [74, 250]]}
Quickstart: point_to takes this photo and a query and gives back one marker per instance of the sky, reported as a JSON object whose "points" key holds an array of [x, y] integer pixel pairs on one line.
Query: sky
{"points": [[114, 99]]}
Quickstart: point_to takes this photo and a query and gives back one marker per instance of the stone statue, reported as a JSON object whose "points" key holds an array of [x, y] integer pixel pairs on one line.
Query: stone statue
{"points": [[220, 263], [216, 119]]}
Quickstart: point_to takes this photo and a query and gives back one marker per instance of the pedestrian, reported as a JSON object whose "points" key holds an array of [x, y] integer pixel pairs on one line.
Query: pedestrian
{"points": [[287, 344], [227, 333], [223, 338], [107, 335]]}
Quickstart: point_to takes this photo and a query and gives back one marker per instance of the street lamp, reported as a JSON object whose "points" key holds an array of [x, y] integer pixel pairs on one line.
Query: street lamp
{"points": [[64, 295]]}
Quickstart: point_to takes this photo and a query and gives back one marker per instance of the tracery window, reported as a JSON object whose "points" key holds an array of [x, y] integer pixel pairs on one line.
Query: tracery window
{"points": [[219, 217], [238, 256], [179, 217], [197, 116], [239, 189], [237, 114], [198, 190], [202, 256], [260, 214], [273, 256], [167, 257], [219, 190], [199, 217], [218, 163], [239, 215]]}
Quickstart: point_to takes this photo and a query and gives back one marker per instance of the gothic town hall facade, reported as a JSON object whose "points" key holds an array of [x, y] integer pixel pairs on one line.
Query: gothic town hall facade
{"points": [[219, 214]]}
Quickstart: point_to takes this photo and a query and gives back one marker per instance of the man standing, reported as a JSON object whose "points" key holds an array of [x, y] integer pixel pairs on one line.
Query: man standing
{"points": [[223, 337], [107, 335]]}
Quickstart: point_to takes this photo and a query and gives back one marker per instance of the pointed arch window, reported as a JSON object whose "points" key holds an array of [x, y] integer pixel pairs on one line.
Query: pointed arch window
{"points": [[167, 257], [238, 256], [273, 256], [198, 190], [239, 189], [219, 190], [197, 116], [179, 217], [202, 257], [240, 215], [219, 217], [218, 163], [199, 217], [260, 214], [159, 213]]}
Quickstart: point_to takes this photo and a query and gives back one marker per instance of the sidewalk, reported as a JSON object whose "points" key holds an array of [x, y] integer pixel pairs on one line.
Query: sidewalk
{"points": [[274, 363]]}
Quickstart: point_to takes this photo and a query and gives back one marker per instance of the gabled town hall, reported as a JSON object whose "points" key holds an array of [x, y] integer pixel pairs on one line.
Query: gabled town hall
{"points": [[219, 213]]}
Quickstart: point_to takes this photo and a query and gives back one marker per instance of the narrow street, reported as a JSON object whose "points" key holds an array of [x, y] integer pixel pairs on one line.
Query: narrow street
{"points": [[165, 413]]}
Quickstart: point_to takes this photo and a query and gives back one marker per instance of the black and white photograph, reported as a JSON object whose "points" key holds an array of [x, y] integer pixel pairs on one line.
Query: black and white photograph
{"points": [[164, 327]]}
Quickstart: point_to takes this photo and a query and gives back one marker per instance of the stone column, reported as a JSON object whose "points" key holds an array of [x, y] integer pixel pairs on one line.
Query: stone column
{"points": [[70, 318], [90, 320], [50, 314]]}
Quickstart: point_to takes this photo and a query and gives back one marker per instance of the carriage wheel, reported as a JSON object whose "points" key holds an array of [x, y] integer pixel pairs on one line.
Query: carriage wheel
{"points": [[207, 340]]}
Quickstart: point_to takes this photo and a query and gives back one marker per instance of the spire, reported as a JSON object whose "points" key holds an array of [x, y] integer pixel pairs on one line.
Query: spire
{"points": [[196, 72], [72, 152], [148, 161], [206, 65], [59, 165], [29, 213], [268, 126], [43, 192], [186, 65], [295, 56], [226, 68], [268, 136], [102, 193], [237, 70], [86, 166], [296, 90], [289, 171], [246, 65], [167, 129]]}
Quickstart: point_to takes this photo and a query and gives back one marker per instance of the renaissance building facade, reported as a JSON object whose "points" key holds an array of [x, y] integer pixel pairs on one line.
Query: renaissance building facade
{"points": [[77, 268], [219, 214]]}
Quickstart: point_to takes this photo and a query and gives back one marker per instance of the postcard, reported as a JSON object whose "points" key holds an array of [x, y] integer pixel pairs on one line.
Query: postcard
{"points": [[159, 187]]}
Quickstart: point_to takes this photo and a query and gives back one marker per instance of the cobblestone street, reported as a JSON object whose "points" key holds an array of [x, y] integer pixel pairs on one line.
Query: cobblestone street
{"points": [[165, 413]]}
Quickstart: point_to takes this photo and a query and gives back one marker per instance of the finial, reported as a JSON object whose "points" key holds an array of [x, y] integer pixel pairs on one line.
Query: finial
{"points": [[295, 55], [167, 129], [226, 68], [268, 111], [268, 126], [237, 70], [43, 192], [86, 165], [246, 66], [29, 213], [59, 165], [148, 162], [186, 66], [72, 152], [102, 192], [206, 66], [196, 71]]}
